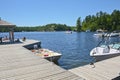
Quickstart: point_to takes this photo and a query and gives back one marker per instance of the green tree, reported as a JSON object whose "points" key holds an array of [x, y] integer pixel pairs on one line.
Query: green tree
{"points": [[115, 19], [78, 25], [102, 20], [48, 27]]}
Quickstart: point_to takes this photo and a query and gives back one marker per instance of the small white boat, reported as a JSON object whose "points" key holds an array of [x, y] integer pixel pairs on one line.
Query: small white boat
{"points": [[105, 51], [68, 32], [114, 34], [87, 30], [99, 33], [48, 54]]}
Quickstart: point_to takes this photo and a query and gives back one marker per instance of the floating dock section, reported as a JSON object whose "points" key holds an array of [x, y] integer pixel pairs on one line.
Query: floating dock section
{"points": [[108, 69], [18, 63]]}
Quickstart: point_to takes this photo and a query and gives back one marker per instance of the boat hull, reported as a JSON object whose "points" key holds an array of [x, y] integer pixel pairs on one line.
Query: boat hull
{"points": [[53, 59], [48, 54], [103, 52], [103, 57]]}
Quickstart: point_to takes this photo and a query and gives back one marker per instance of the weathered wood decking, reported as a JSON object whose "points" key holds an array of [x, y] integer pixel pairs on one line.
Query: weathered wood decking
{"points": [[104, 70], [18, 63]]}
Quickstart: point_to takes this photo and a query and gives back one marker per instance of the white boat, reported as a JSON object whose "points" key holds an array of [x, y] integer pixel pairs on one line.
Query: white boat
{"points": [[48, 54], [99, 32], [105, 51], [114, 34], [68, 32], [87, 30]]}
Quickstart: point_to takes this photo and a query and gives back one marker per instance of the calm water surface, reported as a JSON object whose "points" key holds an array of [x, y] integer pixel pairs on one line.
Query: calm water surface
{"points": [[74, 47]]}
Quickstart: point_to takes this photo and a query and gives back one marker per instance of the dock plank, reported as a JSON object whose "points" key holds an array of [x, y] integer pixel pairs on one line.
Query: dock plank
{"points": [[41, 74], [58, 76], [20, 64]]}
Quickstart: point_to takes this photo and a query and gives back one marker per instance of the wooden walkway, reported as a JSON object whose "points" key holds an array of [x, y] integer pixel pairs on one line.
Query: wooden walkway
{"points": [[104, 70], [18, 63]]}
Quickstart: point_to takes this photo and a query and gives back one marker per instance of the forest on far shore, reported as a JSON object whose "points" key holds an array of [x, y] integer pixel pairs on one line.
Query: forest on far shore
{"points": [[101, 20]]}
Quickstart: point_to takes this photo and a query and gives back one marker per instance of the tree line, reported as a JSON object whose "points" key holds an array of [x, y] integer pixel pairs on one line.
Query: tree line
{"points": [[48, 27], [101, 20]]}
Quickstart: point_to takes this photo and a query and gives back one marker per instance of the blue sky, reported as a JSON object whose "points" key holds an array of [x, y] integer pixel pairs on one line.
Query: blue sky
{"points": [[42, 12]]}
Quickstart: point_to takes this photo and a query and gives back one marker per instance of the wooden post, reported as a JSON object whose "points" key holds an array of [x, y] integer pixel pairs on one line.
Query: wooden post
{"points": [[11, 35]]}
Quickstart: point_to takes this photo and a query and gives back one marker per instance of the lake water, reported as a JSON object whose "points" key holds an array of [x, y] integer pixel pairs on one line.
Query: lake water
{"points": [[75, 47]]}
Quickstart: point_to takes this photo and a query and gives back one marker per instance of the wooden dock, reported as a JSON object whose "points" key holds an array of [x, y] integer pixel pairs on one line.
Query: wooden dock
{"points": [[104, 70], [18, 63]]}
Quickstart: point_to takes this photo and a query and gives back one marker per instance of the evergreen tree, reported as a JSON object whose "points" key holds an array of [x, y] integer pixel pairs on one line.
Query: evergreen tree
{"points": [[78, 25], [102, 20]]}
